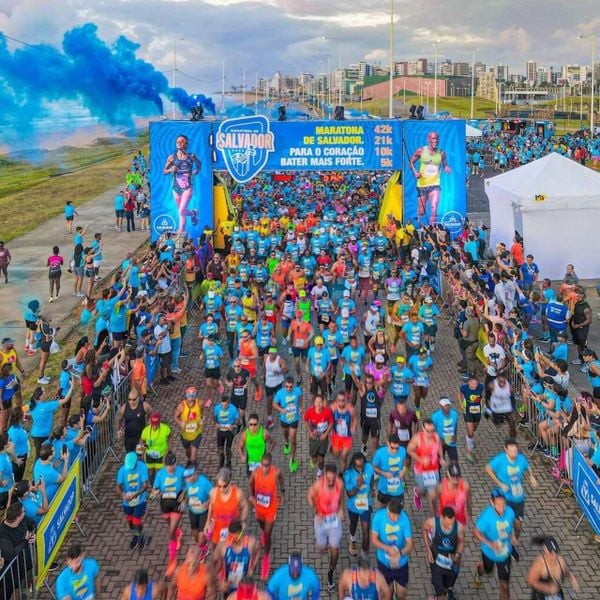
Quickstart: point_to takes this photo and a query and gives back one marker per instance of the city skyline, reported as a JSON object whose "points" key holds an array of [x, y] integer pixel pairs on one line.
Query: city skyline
{"points": [[311, 34]]}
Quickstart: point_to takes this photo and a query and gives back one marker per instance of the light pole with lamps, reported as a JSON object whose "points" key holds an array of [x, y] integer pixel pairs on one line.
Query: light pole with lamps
{"points": [[174, 77], [339, 49], [391, 90], [473, 82], [592, 99], [435, 70]]}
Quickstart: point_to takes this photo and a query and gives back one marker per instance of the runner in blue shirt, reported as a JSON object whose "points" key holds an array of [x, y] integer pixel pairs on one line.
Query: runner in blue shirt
{"points": [[287, 403], [494, 529], [80, 578], [294, 581], [227, 418], [445, 420], [412, 333], [402, 377], [507, 470], [353, 357], [390, 464], [391, 535], [318, 365], [358, 483], [132, 484], [420, 364], [428, 314], [197, 493]]}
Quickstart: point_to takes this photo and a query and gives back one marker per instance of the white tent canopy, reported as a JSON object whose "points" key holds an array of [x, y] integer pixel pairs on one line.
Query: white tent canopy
{"points": [[554, 203], [472, 131]]}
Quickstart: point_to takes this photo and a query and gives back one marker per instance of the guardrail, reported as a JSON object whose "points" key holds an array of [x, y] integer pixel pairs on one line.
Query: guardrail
{"points": [[17, 577]]}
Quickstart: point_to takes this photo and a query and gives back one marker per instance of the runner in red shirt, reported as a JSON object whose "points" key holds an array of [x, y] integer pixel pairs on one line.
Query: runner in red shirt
{"points": [[318, 419]]}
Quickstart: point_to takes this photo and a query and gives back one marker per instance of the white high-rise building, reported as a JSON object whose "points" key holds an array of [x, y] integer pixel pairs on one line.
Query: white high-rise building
{"points": [[531, 71]]}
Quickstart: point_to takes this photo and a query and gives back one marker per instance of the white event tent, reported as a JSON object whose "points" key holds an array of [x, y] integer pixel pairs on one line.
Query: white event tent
{"points": [[554, 203]]}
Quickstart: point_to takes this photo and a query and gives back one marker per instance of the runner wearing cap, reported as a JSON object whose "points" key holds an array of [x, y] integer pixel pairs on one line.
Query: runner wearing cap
{"points": [[391, 535], [235, 557], [507, 470], [196, 495], [266, 492], [444, 539], [363, 582], [294, 580], [318, 366], [344, 427], [445, 420], [192, 579], [428, 314], [188, 416], [421, 365], [227, 419], [155, 441], [212, 354], [335, 344], [248, 590], [287, 403], [400, 379], [253, 443], [412, 333], [425, 448], [494, 529], [132, 486], [168, 484], [325, 498], [274, 369], [225, 505], [370, 411], [390, 464], [236, 380], [299, 336], [456, 493], [470, 396], [353, 358]]}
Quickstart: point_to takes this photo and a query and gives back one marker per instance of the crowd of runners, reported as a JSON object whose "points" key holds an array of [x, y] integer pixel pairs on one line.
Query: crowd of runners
{"points": [[317, 329]]}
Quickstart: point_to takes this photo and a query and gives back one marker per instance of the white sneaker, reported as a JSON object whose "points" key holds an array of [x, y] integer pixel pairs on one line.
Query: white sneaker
{"points": [[44, 380], [176, 371], [51, 299], [80, 294]]}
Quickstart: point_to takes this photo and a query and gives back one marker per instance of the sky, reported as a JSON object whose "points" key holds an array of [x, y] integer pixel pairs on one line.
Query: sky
{"points": [[292, 36]]}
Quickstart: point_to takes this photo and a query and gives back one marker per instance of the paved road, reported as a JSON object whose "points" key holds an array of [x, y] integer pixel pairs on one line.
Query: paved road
{"points": [[107, 536], [28, 274]]}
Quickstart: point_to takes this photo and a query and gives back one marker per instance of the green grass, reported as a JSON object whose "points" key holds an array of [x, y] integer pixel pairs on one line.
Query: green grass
{"points": [[31, 192]]}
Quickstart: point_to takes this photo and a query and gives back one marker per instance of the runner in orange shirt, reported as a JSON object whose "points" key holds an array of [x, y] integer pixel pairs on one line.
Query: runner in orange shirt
{"points": [[299, 336], [248, 357], [266, 493], [192, 580]]}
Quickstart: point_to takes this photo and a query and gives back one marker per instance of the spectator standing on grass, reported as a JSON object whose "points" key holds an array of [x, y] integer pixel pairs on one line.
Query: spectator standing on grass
{"points": [[54, 263], [5, 259], [70, 213]]}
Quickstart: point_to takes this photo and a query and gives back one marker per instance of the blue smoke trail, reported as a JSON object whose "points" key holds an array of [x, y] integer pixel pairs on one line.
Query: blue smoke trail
{"points": [[110, 81]]}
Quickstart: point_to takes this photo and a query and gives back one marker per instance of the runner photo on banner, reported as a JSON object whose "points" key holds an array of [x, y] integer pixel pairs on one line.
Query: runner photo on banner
{"points": [[435, 173], [181, 178]]}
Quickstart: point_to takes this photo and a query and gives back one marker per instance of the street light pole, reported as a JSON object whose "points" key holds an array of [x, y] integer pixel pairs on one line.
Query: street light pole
{"points": [[472, 83], [174, 76], [435, 70], [391, 90]]}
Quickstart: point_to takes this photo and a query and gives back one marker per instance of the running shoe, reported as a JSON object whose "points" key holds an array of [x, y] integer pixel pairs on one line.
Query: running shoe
{"points": [[265, 567], [258, 395], [451, 594], [330, 583], [269, 422], [286, 449], [417, 500], [179, 535], [577, 361], [320, 473], [418, 413], [134, 542], [293, 466], [364, 449], [312, 463], [516, 554], [477, 580], [353, 548]]}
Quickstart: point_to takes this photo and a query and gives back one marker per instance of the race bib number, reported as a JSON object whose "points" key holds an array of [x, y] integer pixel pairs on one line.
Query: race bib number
{"points": [[361, 502], [393, 484], [431, 170], [448, 434], [210, 363], [404, 435], [318, 372], [169, 495], [299, 343], [153, 454], [322, 427], [371, 412], [325, 318], [253, 466], [290, 413], [223, 534], [263, 500], [239, 391], [516, 489], [191, 427], [342, 428], [475, 409], [269, 313], [134, 501], [421, 381], [331, 521], [197, 506], [443, 561], [430, 478]]}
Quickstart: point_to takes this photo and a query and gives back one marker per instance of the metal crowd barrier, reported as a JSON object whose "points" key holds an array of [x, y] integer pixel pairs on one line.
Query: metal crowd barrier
{"points": [[100, 443], [17, 578]]}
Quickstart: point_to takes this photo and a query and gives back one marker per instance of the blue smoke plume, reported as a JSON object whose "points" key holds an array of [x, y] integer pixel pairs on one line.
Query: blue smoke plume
{"points": [[110, 81]]}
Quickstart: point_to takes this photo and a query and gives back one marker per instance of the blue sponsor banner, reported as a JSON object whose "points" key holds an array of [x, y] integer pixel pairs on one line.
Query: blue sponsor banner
{"points": [[434, 179], [53, 528], [587, 491], [246, 145], [180, 178]]}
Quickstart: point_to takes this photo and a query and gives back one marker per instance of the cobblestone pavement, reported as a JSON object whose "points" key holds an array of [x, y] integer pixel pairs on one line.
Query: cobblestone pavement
{"points": [[107, 537]]}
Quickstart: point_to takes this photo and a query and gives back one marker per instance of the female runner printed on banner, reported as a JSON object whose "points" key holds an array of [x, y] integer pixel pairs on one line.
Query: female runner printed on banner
{"points": [[181, 165]]}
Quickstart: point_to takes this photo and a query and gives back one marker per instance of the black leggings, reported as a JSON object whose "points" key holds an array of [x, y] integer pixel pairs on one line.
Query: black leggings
{"points": [[224, 443], [19, 471]]}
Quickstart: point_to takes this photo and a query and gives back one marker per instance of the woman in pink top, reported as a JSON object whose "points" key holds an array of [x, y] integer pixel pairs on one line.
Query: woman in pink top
{"points": [[54, 263]]}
